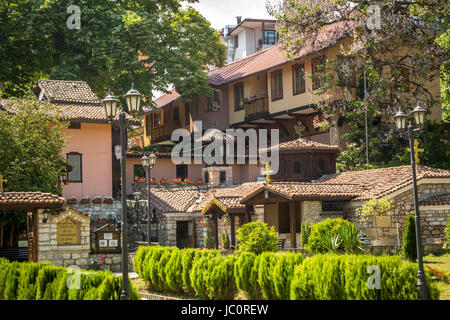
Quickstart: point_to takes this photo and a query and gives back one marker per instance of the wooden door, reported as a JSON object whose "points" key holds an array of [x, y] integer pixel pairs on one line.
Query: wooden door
{"points": [[191, 234], [32, 236]]}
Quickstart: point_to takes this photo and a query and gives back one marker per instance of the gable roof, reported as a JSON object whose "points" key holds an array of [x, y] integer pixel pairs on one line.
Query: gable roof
{"points": [[167, 98], [62, 91], [273, 57], [30, 200], [301, 144]]}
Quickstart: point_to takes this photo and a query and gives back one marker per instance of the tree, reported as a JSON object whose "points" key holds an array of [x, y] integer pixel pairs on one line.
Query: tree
{"points": [[31, 155], [153, 43], [409, 246], [257, 237], [401, 60]]}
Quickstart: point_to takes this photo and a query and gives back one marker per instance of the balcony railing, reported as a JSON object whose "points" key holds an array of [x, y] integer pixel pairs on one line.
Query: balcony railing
{"points": [[164, 130], [255, 106]]}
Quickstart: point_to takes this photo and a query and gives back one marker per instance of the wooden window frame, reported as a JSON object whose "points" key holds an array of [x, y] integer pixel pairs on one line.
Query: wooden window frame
{"points": [[210, 101], [236, 106], [81, 167], [347, 82], [314, 63], [272, 84], [294, 79]]}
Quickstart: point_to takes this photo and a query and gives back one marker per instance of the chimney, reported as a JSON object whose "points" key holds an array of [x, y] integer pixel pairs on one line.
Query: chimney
{"points": [[239, 19]]}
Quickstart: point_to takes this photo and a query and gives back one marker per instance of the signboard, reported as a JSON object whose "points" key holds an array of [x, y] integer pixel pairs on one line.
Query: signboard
{"points": [[68, 232], [107, 240]]}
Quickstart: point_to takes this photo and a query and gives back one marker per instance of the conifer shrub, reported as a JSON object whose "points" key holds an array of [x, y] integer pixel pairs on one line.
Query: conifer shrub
{"points": [[283, 272], [246, 275], [161, 281], [304, 233], [221, 284], [209, 241], [409, 244], [188, 257], [139, 258], [447, 233], [12, 281], [199, 276], [174, 270], [226, 241], [265, 275], [151, 267], [257, 237]]}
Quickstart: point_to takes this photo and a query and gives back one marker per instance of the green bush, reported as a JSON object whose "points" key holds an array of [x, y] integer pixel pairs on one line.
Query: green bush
{"points": [[199, 276], [283, 272], [160, 280], [346, 277], [265, 275], [304, 233], [246, 275], [209, 241], [187, 259], [174, 270], [226, 240], [409, 244], [151, 267], [447, 233], [221, 284], [324, 236], [12, 282], [257, 237]]}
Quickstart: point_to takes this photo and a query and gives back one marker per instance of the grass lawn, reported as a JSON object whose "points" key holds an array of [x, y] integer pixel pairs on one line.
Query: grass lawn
{"points": [[440, 266]]}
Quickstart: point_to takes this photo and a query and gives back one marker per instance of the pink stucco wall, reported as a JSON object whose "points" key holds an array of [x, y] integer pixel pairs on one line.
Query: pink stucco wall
{"points": [[93, 141]]}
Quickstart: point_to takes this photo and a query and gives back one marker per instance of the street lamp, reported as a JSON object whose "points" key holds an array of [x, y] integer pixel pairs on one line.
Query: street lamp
{"points": [[148, 163], [400, 121], [111, 105]]}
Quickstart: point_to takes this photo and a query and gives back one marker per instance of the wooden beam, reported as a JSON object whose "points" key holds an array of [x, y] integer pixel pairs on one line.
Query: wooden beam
{"points": [[216, 228], [292, 224]]}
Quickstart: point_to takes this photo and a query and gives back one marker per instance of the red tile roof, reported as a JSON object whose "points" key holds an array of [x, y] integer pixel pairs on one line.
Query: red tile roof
{"points": [[29, 200], [301, 144], [273, 57], [68, 91], [436, 200], [167, 98]]}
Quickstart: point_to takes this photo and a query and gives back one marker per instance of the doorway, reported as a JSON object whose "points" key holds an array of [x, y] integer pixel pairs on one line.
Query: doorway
{"points": [[182, 234]]}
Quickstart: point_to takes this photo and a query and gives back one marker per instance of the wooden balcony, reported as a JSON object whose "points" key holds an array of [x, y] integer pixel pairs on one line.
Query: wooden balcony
{"points": [[256, 106], [164, 131]]}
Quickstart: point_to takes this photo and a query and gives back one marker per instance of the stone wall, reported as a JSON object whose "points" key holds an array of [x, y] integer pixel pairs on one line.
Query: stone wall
{"points": [[214, 175], [168, 228], [388, 229], [100, 210]]}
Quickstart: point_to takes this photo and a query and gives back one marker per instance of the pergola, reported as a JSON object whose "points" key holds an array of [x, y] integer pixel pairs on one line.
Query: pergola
{"points": [[30, 202]]}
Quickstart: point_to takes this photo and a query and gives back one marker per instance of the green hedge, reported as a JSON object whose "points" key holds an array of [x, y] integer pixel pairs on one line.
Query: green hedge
{"points": [[43, 281], [207, 274]]}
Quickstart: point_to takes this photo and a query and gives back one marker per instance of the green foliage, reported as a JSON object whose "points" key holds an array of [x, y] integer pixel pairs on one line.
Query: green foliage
{"points": [[160, 281], [257, 237], [305, 232], [447, 233], [373, 208], [157, 42], [326, 236], [283, 272], [221, 284], [246, 275], [199, 276], [409, 244], [187, 258], [226, 244], [174, 270], [265, 275], [43, 281], [209, 241], [346, 277]]}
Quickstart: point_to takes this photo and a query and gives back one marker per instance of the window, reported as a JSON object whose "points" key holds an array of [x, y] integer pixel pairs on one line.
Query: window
{"points": [[297, 167], [157, 119], [270, 37], [321, 168], [277, 85], [138, 171], [74, 125], [317, 68], [236, 41], [74, 159], [299, 78], [239, 96], [346, 68], [214, 102], [333, 208], [223, 177], [182, 171], [176, 114]]}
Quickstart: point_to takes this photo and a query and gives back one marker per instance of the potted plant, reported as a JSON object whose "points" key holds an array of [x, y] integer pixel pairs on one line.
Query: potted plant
{"points": [[85, 200], [141, 180], [226, 221], [165, 181], [199, 181], [188, 181], [204, 223], [72, 200], [108, 200], [153, 181], [97, 200], [263, 94], [176, 180]]}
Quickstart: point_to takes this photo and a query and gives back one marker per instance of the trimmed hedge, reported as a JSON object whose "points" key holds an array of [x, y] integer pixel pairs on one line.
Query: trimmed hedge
{"points": [[43, 281], [207, 274]]}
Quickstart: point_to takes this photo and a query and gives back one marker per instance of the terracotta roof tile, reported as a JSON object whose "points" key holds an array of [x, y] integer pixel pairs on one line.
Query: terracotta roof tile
{"points": [[167, 98], [25, 200], [304, 144], [273, 57], [436, 200], [61, 91]]}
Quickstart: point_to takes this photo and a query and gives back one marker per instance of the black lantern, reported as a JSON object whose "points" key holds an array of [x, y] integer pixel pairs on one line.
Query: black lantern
{"points": [[133, 98], [111, 104]]}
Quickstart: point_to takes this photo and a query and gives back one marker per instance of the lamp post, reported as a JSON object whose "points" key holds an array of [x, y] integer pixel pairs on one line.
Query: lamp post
{"points": [[400, 121], [148, 163], [111, 104]]}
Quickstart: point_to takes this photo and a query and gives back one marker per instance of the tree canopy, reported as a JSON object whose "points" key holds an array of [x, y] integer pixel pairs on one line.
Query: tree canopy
{"points": [[154, 44], [399, 47]]}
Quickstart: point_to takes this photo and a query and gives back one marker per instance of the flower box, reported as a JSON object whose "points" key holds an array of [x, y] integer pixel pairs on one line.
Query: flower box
{"points": [[108, 201], [165, 181], [85, 201], [141, 180], [199, 181], [153, 181], [176, 180], [72, 201]]}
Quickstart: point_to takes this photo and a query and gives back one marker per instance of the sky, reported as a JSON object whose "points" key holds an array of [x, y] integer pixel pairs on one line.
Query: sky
{"points": [[224, 12]]}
